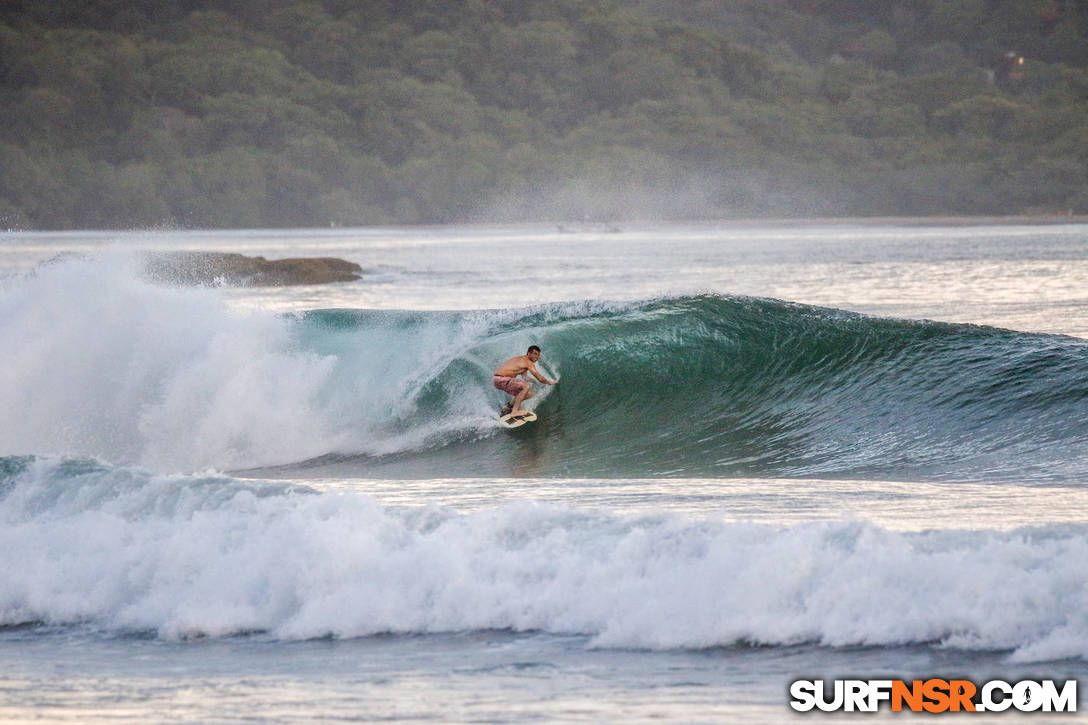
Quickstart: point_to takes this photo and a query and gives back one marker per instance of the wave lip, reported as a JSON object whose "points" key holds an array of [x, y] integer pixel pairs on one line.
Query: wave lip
{"points": [[185, 556]]}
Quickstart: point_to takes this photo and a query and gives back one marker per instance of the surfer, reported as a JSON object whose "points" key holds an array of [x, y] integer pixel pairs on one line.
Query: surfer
{"points": [[508, 380]]}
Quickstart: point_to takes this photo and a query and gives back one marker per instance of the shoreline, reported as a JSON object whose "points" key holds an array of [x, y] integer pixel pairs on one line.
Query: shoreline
{"points": [[931, 221], [613, 226]]}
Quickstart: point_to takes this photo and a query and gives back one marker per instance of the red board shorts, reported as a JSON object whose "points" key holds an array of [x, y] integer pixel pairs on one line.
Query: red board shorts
{"points": [[510, 386]]}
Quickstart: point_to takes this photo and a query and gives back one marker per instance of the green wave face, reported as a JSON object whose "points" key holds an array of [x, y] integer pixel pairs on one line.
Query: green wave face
{"points": [[721, 386]]}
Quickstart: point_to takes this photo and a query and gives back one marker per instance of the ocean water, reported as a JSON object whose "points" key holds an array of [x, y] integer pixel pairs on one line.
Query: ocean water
{"points": [[776, 452]]}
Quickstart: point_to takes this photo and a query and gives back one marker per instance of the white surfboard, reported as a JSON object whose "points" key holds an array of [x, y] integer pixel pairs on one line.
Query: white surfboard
{"points": [[514, 421]]}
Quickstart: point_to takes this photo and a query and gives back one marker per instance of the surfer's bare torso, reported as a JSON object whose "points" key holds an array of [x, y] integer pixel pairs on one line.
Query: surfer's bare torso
{"points": [[519, 366]]}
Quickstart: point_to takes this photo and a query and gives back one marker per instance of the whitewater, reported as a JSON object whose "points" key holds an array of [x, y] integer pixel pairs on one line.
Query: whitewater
{"points": [[776, 452]]}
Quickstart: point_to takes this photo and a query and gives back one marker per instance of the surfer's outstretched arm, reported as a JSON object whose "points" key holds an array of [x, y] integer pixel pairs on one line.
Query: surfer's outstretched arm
{"points": [[540, 377]]}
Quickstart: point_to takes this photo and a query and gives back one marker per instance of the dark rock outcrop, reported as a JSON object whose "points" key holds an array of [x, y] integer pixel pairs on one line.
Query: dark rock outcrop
{"points": [[237, 270]]}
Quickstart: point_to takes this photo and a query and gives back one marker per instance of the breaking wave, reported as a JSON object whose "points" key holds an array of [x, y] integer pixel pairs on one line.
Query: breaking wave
{"points": [[180, 556], [99, 363]]}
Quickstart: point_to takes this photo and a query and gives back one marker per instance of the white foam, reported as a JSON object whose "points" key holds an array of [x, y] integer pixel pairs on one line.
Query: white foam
{"points": [[190, 555], [101, 363]]}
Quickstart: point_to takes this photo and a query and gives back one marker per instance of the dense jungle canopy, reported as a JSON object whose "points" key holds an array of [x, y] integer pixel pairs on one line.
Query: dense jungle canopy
{"points": [[254, 113]]}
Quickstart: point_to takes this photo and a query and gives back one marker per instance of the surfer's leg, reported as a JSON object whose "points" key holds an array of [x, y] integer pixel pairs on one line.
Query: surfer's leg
{"points": [[514, 387], [525, 394]]}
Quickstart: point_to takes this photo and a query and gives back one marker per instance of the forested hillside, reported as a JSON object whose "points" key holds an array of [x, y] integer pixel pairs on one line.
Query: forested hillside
{"points": [[228, 113]]}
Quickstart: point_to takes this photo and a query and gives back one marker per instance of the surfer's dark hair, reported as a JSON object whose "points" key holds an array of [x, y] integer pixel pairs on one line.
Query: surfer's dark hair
{"points": [[531, 348]]}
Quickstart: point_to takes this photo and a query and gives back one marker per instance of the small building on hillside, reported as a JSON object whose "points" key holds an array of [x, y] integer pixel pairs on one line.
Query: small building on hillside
{"points": [[1009, 67]]}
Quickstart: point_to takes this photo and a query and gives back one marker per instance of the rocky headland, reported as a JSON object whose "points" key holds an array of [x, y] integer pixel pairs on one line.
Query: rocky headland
{"points": [[237, 270]]}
